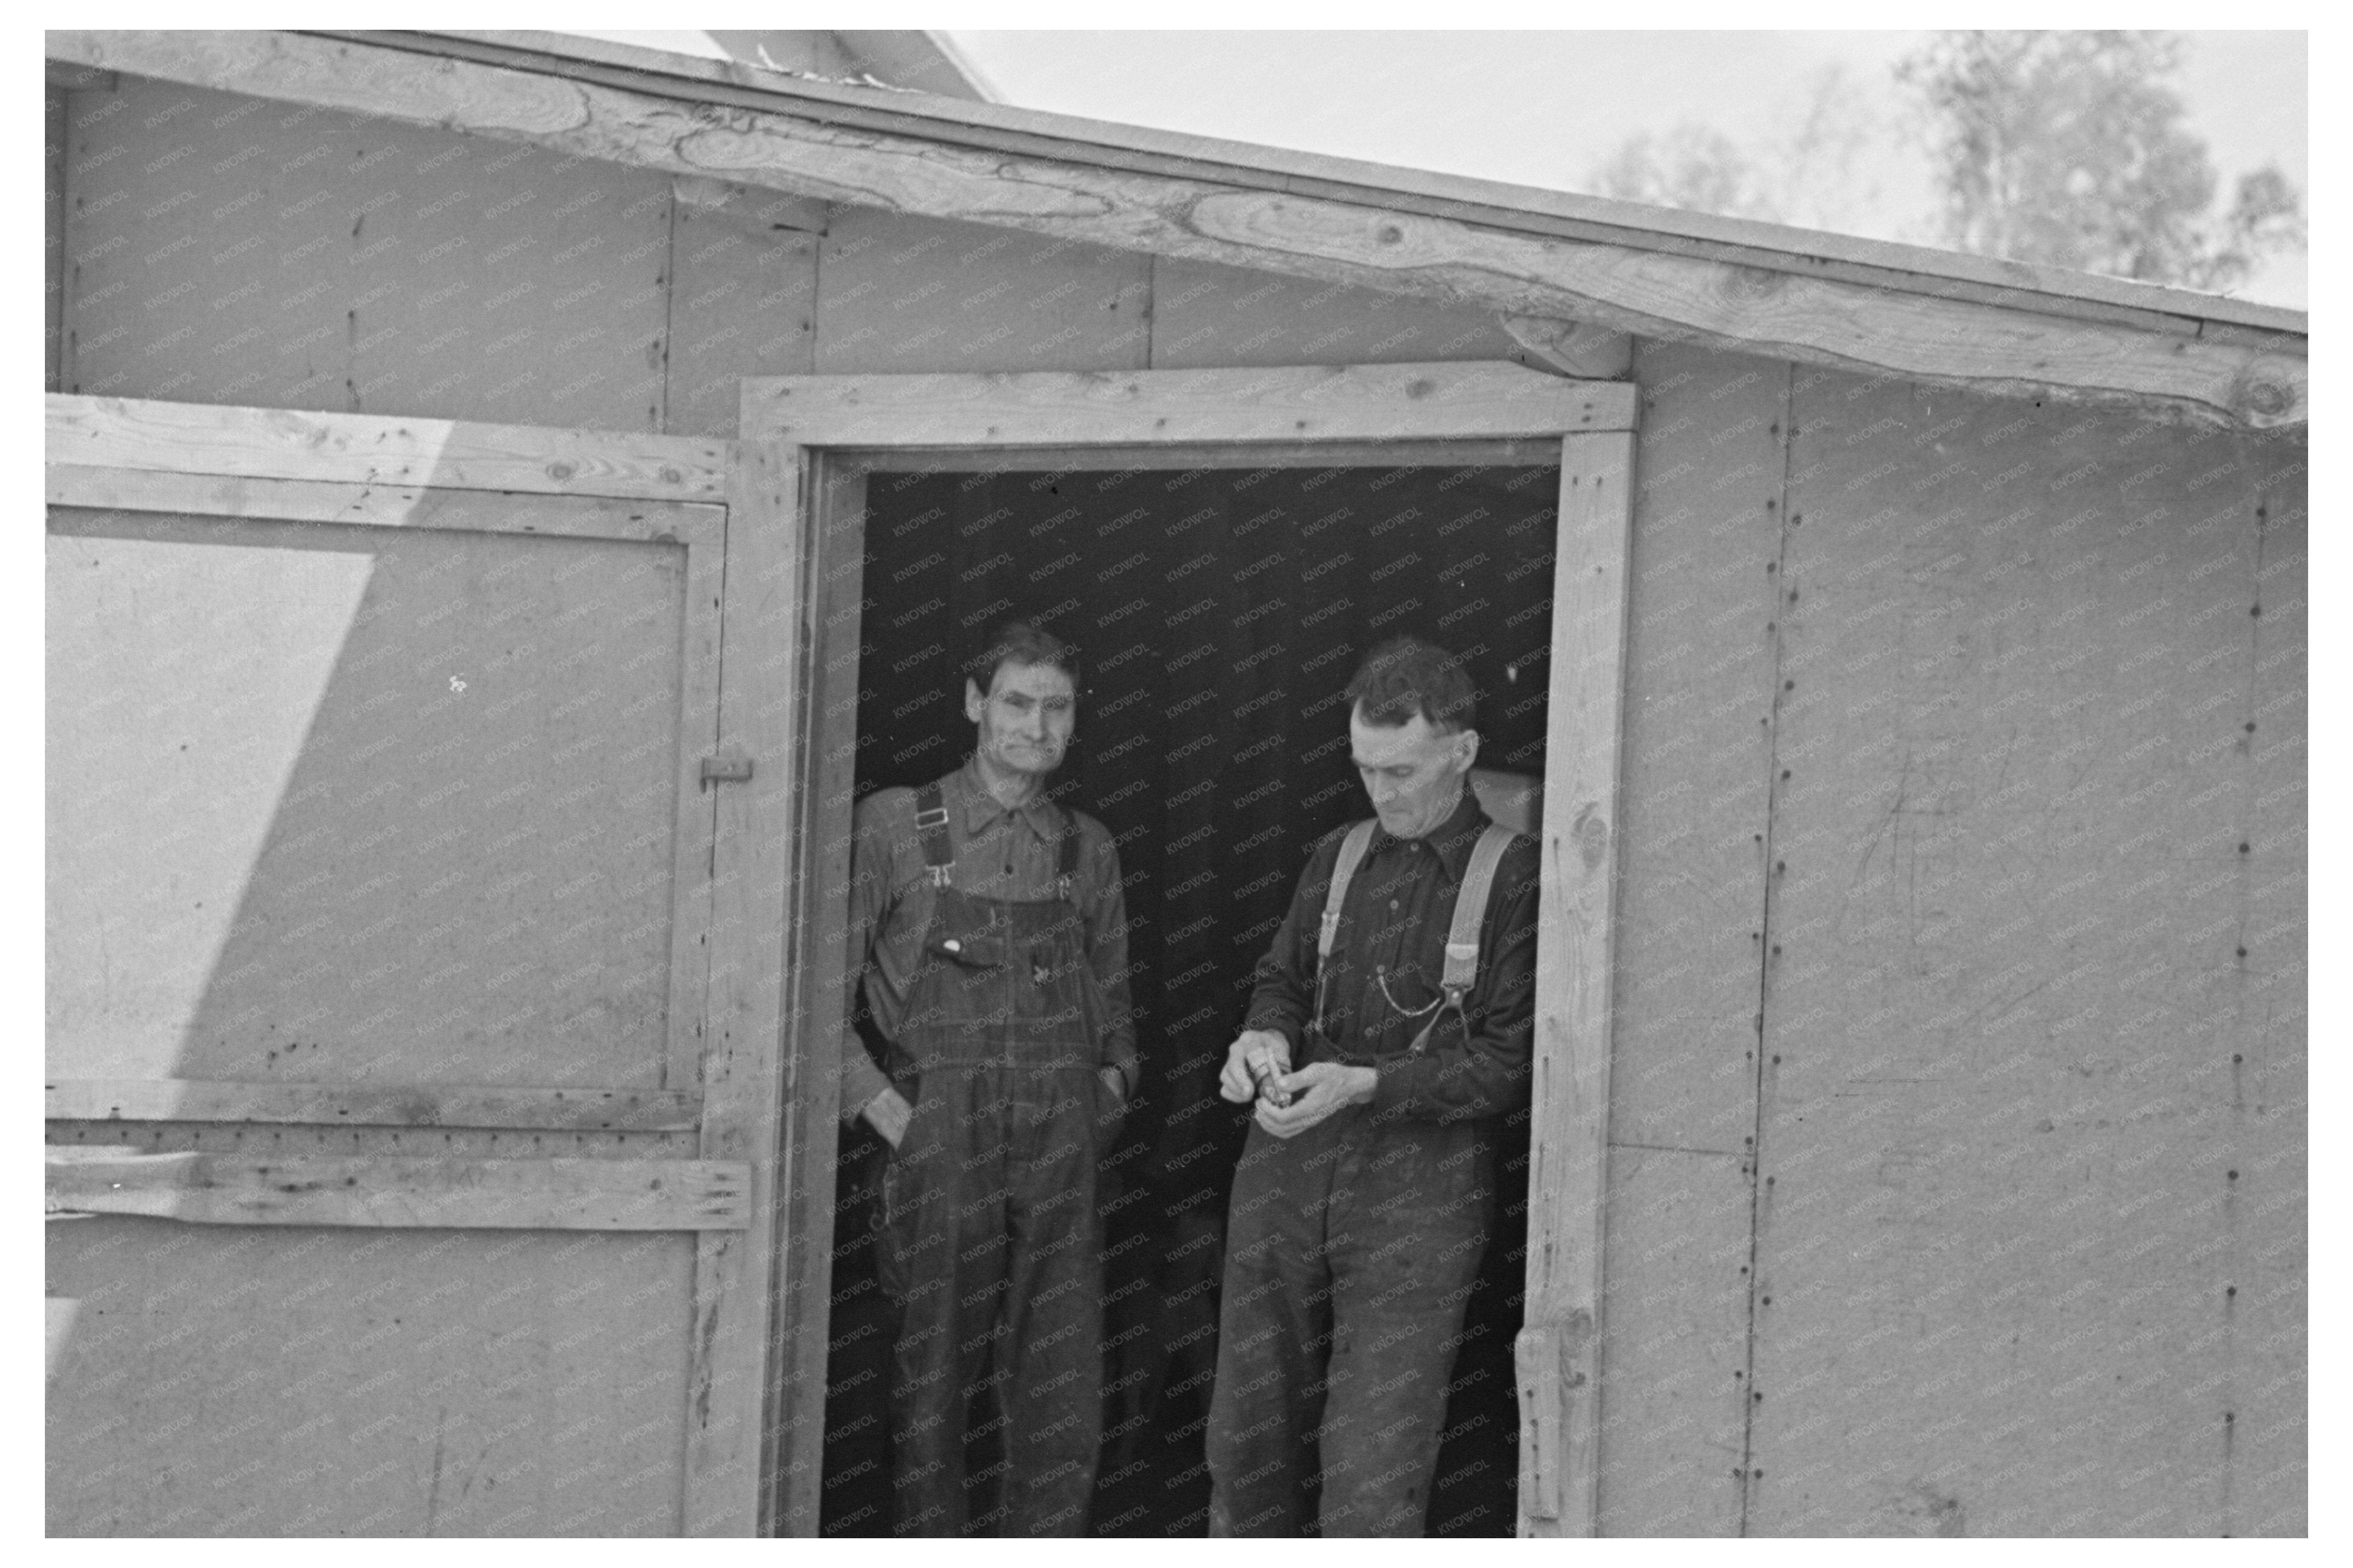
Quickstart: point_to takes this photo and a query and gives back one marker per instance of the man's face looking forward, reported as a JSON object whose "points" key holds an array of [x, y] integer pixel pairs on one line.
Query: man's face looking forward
{"points": [[1025, 718], [1412, 772]]}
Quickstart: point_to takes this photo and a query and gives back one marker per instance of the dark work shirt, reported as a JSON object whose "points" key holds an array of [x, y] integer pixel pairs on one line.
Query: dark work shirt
{"points": [[1013, 855], [1398, 907]]}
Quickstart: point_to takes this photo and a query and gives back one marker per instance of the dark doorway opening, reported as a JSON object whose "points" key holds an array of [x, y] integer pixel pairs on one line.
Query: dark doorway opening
{"points": [[1219, 612]]}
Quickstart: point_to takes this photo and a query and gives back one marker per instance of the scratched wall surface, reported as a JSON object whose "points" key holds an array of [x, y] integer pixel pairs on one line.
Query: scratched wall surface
{"points": [[299, 1381], [226, 249], [1206, 314], [361, 805], [2031, 1116], [902, 294]]}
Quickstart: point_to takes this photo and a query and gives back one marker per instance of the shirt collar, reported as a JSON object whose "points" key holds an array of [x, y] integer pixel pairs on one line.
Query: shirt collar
{"points": [[977, 810], [1453, 838]]}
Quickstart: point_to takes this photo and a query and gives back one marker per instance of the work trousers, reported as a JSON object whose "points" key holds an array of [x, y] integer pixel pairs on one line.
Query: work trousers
{"points": [[992, 1252], [1351, 1250]]}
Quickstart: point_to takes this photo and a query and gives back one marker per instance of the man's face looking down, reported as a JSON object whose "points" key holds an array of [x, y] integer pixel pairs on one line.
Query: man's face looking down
{"points": [[1412, 772], [1025, 718]]}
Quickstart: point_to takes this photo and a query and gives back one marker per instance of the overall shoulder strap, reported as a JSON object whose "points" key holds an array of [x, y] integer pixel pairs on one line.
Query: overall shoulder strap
{"points": [[932, 826], [1352, 855], [1067, 874], [1470, 908]]}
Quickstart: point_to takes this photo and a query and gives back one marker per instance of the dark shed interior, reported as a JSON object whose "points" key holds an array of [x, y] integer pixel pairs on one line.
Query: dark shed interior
{"points": [[1217, 614]]}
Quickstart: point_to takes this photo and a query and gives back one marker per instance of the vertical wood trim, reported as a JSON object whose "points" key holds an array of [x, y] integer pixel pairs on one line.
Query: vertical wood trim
{"points": [[53, 231], [700, 724], [759, 693], [1558, 1352], [833, 510], [667, 348], [68, 250]]}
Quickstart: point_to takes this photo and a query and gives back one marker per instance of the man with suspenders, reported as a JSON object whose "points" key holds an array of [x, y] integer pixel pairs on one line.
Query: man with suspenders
{"points": [[989, 940], [1388, 1030]]}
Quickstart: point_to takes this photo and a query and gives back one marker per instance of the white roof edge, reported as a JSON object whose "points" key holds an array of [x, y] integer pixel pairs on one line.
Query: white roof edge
{"points": [[954, 55], [918, 56], [1631, 224]]}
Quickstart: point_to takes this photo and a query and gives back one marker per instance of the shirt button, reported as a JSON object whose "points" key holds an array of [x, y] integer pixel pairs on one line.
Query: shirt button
{"points": [[1392, 905]]}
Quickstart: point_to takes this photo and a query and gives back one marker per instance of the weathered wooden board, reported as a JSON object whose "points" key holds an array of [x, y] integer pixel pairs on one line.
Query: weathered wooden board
{"points": [[742, 301], [746, 1079], [53, 232], [1700, 644], [1288, 405], [1506, 452], [1559, 1351], [1564, 213], [1999, 1149], [828, 508], [412, 1193], [898, 292], [295, 1380], [1814, 320], [376, 803], [225, 249], [139, 434], [369, 1105], [108, 499], [276, 1141], [1204, 314]]}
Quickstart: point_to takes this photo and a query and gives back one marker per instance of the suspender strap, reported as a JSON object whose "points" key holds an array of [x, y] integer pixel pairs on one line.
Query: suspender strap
{"points": [[1352, 855], [1462, 935], [1069, 875], [1470, 908], [932, 825]]}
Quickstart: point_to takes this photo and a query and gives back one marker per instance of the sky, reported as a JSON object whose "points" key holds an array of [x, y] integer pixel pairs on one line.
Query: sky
{"points": [[1546, 108]]}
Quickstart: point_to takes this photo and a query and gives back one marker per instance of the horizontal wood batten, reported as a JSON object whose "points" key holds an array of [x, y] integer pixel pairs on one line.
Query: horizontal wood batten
{"points": [[403, 1192], [415, 1105], [1367, 239], [1527, 452], [384, 506], [376, 449], [1566, 214], [1286, 405]]}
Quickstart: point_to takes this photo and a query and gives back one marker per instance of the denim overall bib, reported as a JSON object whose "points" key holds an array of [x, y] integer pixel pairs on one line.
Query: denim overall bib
{"points": [[990, 1243]]}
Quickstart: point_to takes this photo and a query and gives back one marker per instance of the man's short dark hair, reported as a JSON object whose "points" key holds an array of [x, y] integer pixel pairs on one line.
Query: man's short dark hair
{"points": [[1405, 675], [1021, 642]]}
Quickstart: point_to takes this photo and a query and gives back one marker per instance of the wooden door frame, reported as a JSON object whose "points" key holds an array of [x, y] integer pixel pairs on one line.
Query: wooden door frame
{"points": [[827, 432], [720, 501]]}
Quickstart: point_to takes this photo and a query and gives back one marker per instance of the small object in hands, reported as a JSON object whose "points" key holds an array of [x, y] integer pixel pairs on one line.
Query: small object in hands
{"points": [[1038, 975], [951, 945], [1264, 1074]]}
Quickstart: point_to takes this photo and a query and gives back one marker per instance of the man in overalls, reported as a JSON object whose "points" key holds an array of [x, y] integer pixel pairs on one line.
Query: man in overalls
{"points": [[1367, 1188], [989, 940]]}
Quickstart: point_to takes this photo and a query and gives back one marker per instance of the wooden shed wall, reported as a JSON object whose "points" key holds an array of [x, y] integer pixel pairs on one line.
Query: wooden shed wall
{"points": [[1969, 1255], [2031, 1119]]}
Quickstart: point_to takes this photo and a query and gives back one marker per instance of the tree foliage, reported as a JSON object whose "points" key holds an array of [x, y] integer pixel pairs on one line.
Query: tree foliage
{"points": [[2069, 149], [1691, 167], [2063, 149], [1810, 175]]}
